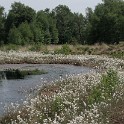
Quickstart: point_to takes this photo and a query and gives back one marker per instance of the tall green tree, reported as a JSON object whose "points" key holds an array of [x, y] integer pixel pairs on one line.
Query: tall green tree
{"points": [[53, 29], [47, 23], [15, 36], [89, 33], [38, 34], [21, 35], [64, 23], [18, 14], [105, 24], [42, 21], [25, 30], [2, 21], [79, 28]]}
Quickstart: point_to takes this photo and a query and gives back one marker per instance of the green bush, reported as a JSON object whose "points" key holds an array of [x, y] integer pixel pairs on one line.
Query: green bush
{"points": [[11, 47], [35, 47], [117, 54], [64, 50], [105, 89], [39, 47], [57, 106]]}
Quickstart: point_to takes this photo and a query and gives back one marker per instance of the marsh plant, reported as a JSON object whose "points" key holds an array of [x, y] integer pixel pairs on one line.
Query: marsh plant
{"points": [[64, 50], [105, 89], [20, 74], [96, 61], [117, 54], [81, 99]]}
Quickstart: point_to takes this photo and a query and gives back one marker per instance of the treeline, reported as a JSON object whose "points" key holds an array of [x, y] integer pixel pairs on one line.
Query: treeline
{"points": [[24, 25]]}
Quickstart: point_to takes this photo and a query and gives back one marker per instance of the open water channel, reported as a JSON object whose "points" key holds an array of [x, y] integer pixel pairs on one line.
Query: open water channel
{"points": [[17, 90]]}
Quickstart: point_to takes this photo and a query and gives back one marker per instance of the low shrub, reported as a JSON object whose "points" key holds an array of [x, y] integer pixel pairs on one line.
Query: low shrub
{"points": [[105, 89], [64, 50], [35, 47], [117, 54], [10, 47]]}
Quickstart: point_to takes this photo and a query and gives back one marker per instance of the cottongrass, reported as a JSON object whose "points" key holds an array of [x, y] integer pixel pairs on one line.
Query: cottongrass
{"points": [[65, 102], [95, 61], [69, 101]]}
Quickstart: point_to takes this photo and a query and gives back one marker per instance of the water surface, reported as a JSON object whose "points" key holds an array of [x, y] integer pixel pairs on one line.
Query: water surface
{"points": [[16, 91]]}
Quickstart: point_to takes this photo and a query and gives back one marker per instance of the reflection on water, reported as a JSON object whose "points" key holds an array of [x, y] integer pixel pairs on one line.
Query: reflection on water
{"points": [[19, 74], [17, 90]]}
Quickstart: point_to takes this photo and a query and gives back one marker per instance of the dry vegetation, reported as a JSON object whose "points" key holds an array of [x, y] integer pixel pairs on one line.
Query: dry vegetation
{"points": [[116, 51]]}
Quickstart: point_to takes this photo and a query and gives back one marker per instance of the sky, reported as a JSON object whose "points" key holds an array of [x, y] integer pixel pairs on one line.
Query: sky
{"points": [[75, 5]]}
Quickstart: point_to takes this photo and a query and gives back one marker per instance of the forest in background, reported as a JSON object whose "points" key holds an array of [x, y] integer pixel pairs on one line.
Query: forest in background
{"points": [[23, 25]]}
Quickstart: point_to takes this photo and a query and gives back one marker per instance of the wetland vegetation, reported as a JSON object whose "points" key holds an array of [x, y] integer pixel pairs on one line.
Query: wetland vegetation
{"points": [[59, 36], [20, 74], [83, 98]]}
